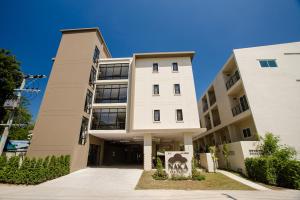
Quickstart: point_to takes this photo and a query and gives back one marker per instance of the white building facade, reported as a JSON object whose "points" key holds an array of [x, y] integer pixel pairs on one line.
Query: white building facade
{"points": [[257, 91]]}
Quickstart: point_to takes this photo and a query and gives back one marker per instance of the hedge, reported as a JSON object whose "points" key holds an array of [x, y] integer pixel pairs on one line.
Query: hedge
{"points": [[271, 170], [33, 171]]}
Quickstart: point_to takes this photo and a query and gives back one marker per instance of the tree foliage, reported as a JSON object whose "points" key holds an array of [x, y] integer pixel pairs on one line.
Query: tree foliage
{"points": [[10, 78]]}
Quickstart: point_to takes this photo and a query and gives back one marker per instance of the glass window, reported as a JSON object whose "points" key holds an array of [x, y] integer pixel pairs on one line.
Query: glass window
{"points": [[155, 67], [246, 132], [268, 63], [108, 119], [175, 67], [177, 88], [113, 71], [96, 54], [88, 102], [156, 115], [156, 89], [112, 93], [83, 131], [179, 116], [92, 76], [244, 103]]}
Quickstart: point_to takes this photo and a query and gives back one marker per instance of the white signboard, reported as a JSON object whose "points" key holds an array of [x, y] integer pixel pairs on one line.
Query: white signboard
{"points": [[178, 163]]}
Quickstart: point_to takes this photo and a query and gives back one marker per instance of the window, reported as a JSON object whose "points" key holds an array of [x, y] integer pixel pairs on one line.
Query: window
{"points": [[96, 54], [113, 93], [175, 67], [179, 116], [83, 131], [176, 89], [92, 76], [268, 63], [155, 89], [155, 67], [246, 132], [109, 119], [244, 103], [113, 71], [88, 102], [157, 115]]}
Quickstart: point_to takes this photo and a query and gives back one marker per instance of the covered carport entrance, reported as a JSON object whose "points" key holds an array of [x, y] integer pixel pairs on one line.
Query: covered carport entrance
{"points": [[123, 153]]}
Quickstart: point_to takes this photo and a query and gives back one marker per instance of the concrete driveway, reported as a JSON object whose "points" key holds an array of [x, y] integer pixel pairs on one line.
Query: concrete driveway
{"points": [[119, 183]]}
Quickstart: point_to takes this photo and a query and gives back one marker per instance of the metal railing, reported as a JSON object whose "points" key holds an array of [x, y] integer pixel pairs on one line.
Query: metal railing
{"points": [[232, 80], [239, 109]]}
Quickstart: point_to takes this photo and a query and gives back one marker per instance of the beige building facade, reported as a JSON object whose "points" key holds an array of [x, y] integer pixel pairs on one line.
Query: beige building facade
{"points": [[114, 111], [257, 91]]}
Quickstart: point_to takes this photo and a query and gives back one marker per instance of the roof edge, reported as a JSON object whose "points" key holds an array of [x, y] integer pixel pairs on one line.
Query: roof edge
{"points": [[166, 54]]}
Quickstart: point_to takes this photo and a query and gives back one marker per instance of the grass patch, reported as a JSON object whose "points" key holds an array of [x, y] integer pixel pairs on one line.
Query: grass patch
{"points": [[213, 181]]}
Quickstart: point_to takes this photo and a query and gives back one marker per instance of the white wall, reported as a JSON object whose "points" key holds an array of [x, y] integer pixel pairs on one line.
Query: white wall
{"points": [[166, 102], [273, 93]]}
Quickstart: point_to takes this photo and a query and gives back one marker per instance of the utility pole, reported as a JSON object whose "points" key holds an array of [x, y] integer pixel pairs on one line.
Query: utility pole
{"points": [[13, 104]]}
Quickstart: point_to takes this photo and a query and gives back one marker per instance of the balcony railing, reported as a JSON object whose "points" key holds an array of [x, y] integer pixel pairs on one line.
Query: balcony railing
{"points": [[232, 80], [212, 99], [239, 109], [216, 122], [205, 107]]}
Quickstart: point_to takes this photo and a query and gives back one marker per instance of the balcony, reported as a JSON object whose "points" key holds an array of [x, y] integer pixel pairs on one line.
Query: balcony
{"points": [[239, 108], [232, 80], [211, 96], [216, 117], [204, 104]]}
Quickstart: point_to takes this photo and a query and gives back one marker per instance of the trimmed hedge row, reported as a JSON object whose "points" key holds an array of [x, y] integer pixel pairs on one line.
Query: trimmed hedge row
{"points": [[33, 171], [273, 171]]}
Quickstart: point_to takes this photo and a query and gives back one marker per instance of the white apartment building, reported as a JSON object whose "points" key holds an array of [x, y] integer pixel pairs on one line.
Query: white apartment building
{"points": [[118, 110], [256, 91]]}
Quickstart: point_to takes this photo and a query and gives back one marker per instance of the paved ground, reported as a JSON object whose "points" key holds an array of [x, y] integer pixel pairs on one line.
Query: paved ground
{"points": [[118, 183]]}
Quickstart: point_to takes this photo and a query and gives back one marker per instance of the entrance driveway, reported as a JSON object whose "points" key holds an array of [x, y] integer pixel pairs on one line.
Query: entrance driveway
{"points": [[118, 183]]}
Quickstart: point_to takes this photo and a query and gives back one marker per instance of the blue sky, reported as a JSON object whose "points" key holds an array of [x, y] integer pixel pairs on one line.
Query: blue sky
{"points": [[212, 28]]}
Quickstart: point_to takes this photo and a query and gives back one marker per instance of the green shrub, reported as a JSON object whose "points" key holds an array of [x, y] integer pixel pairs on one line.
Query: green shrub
{"points": [[262, 169], [32, 171], [3, 161], [196, 175], [160, 173], [10, 169], [180, 178], [289, 175]]}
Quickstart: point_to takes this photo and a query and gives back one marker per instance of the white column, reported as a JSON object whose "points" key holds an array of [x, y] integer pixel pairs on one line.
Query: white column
{"points": [[188, 143], [147, 151]]}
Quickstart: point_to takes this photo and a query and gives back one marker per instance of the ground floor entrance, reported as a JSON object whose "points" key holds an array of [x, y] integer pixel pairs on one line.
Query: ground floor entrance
{"points": [[122, 153]]}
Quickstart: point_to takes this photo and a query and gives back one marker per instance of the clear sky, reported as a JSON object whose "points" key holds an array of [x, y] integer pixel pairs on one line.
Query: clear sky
{"points": [[212, 28]]}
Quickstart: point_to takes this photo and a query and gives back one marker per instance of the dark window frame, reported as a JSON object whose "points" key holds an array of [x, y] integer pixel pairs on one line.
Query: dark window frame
{"points": [[109, 119], [83, 131], [175, 67], [178, 90], [268, 63], [92, 78], [179, 115], [113, 71], [88, 101], [155, 90], [96, 54], [156, 115], [155, 67], [108, 89], [247, 132]]}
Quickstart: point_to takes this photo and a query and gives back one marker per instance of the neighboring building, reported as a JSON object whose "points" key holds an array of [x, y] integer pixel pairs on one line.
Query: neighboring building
{"points": [[103, 110], [257, 91]]}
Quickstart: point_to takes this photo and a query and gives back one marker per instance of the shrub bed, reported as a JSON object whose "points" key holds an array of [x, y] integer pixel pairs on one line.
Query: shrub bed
{"points": [[272, 171], [33, 171]]}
